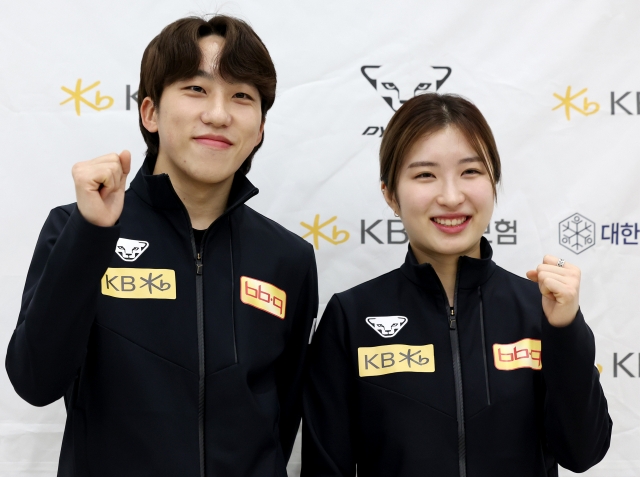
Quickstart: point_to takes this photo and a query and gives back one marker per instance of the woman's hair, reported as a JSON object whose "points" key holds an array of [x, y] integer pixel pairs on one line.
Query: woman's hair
{"points": [[427, 114]]}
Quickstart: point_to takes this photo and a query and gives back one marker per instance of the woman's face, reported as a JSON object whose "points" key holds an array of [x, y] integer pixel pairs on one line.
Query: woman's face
{"points": [[444, 197]]}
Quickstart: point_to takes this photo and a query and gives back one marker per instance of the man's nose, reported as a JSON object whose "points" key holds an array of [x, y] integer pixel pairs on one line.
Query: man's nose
{"points": [[217, 112]]}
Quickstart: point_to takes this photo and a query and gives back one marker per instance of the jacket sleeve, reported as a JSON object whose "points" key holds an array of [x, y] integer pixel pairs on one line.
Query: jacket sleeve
{"points": [[328, 444], [49, 343], [576, 417], [292, 364]]}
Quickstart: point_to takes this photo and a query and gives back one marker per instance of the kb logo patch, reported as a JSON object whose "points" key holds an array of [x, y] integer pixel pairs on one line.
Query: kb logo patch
{"points": [[264, 296], [158, 283], [398, 358], [526, 353]]}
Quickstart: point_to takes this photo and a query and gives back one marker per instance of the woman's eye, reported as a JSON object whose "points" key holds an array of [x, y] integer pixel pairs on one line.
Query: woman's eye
{"points": [[424, 175], [472, 171]]}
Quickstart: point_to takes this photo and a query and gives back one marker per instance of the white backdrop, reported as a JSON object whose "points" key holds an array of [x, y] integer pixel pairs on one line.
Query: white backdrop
{"points": [[550, 76]]}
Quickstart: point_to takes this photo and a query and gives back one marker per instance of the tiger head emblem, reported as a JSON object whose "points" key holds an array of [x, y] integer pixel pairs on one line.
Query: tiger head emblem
{"points": [[130, 250], [387, 326]]}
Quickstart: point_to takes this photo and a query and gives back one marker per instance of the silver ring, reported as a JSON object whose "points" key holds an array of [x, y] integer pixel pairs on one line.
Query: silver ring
{"points": [[561, 262]]}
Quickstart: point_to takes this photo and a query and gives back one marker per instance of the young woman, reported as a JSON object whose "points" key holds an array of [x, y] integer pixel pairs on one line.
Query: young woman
{"points": [[436, 368]]}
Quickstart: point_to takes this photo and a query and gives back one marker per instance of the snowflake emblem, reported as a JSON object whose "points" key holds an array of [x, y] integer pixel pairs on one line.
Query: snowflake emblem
{"points": [[577, 233]]}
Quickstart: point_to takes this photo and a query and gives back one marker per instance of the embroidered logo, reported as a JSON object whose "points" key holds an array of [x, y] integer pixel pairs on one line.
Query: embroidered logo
{"points": [[397, 358], [154, 283], [526, 353], [387, 326], [264, 296], [130, 250]]}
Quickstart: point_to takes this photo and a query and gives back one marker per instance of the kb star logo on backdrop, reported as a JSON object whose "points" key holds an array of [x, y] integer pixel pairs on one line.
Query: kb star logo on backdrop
{"points": [[315, 230], [579, 103], [101, 102]]}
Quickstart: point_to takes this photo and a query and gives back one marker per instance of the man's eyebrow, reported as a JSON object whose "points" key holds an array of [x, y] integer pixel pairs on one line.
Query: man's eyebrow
{"points": [[466, 160]]}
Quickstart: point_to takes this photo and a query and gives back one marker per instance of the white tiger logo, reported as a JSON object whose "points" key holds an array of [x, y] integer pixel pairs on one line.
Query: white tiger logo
{"points": [[130, 250], [387, 326]]}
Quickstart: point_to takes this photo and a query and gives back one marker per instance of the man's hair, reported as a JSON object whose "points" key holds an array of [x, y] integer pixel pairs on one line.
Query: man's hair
{"points": [[175, 55], [427, 114]]}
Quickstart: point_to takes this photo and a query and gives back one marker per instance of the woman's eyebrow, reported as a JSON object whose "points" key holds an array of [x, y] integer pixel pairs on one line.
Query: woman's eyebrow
{"points": [[466, 160]]}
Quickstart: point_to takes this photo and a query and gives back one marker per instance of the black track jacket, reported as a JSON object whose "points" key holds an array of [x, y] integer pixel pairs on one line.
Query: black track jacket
{"points": [[172, 361], [405, 386]]}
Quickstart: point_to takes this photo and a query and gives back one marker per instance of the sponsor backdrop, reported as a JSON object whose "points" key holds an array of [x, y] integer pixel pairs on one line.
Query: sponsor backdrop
{"points": [[558, 81]]}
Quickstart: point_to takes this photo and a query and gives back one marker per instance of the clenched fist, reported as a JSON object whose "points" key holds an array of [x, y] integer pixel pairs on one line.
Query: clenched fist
{"points": [[100, 185], [560, 288]]}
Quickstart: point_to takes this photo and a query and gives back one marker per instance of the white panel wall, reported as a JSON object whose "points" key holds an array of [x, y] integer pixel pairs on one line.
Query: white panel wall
{"points": [[322, 137]]}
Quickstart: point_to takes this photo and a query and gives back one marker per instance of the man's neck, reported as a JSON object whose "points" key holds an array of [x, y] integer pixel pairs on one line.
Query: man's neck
{"points": [[204, 202]]}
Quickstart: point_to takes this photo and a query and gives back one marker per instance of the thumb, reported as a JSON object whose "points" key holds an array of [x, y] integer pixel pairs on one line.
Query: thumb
{"points": [[533, 275], [125, 161]]}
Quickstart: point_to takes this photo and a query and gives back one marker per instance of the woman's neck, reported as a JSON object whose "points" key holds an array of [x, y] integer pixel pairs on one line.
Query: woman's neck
{"points": [[445, 266]]}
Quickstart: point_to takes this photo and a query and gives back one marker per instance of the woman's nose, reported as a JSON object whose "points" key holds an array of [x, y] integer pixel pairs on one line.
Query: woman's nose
{"points": [[450, 195]]}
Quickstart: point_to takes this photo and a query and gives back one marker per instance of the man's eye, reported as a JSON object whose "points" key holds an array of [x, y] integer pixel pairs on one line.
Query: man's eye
{"points": [[197, 89], [242, 95]]}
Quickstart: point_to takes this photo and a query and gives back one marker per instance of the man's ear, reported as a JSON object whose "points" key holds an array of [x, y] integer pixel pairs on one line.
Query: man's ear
{"points": [[390, 199], [149, 115]]}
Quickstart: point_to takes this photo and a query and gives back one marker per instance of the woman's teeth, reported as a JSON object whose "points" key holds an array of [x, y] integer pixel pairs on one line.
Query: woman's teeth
{"points": [[450, 222]]}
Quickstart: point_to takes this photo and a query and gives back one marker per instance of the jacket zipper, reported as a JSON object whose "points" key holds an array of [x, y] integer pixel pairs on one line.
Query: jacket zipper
{"points": [[457, 375], [201, 366]]}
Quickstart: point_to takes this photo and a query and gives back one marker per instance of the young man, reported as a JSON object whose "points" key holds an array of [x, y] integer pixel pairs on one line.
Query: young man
{"points": [[173, 318]]}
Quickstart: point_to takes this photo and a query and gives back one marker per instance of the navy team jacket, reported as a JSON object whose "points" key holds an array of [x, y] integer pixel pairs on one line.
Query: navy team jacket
{"points": [[172, 361], [401, 384]]}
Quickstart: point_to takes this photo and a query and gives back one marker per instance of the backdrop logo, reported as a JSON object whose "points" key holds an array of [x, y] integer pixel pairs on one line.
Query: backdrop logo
{"points": [[391, 93], [77, 96], [577, 233], [567, 101], [337, 236]]}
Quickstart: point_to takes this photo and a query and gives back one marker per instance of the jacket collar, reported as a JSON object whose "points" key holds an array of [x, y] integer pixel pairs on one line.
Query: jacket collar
{"points": [[157, 190], [473, 272]]}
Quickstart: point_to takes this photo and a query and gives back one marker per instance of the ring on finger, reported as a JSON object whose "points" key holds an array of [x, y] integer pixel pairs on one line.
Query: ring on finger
{"points": [[561, 263]]}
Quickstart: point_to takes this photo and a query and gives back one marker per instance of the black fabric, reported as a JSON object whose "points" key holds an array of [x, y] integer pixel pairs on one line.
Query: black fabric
{"points": [[197, 236], [522, 422], [128, 368]]}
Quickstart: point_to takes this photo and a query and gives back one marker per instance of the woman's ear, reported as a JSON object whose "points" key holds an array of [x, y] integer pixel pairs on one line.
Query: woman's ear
{"points": [[390, 199], [148, 115]]}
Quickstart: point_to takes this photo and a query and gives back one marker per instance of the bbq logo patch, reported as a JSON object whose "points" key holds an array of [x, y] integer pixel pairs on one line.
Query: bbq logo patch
{"points": [[264, 296], [387, 326], [397, 358], [130, 250], [526, 353], [150, 283]]}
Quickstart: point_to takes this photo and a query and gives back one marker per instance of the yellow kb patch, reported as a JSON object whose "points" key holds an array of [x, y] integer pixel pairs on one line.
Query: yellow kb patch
{"points": [[264, 296], [155, 283], [526, 353], [397, 358]]}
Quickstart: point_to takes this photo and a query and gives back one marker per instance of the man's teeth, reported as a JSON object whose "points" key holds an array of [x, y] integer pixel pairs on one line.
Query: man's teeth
{"points": [[450, 222]]}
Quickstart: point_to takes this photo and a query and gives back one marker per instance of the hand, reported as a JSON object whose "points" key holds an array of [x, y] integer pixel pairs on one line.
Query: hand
{"points": [[560, 288], [100, 185]]}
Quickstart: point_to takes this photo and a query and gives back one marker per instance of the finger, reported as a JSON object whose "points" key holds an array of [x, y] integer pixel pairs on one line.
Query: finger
{"points": [[533, 275], [125, 161], [553, 260], [569, 281], [565, 272], [561, 292]]}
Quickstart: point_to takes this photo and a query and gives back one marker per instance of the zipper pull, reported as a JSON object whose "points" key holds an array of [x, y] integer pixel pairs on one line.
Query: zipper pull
{"points": [[198, 264], [452, 319]]}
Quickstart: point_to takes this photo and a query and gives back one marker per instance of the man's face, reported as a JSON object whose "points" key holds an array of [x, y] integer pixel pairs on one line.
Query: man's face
{"points": [[207, 127]]}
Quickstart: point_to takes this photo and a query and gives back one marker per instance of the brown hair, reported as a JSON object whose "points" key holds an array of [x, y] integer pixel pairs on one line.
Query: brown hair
{"points": [[426, 114], [175, 54]]}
